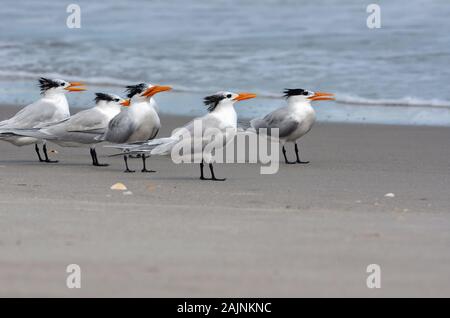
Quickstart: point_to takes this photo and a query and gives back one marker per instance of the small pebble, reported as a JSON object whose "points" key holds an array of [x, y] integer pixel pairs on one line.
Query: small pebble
{"points": [[389, 195], [127, 193], [118, 186]]}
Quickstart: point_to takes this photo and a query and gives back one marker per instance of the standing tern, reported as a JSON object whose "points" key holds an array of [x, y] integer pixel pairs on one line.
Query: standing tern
{"points": [[294, 120], [52, 107], [221, 116], [139, 122], [82, 129]]}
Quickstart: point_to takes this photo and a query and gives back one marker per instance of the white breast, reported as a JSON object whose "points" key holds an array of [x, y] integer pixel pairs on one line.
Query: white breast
{"points": [[306, 117], [147, 123]]}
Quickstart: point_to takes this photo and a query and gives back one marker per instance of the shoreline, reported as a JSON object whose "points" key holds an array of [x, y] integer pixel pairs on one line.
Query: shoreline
{"points": [[306, 231], [8, 110], [185, 103]]}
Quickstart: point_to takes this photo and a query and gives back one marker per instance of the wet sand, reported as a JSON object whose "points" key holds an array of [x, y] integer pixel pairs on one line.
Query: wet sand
{"points": [[309, 230]]}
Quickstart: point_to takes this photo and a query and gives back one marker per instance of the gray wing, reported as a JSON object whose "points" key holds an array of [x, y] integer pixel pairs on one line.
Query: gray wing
{"points": [[82, 127], [53, 123], [243, 124], [120, 128], [87, 120], [32, 116], [280, 119], [206, 122], [213, 122]]}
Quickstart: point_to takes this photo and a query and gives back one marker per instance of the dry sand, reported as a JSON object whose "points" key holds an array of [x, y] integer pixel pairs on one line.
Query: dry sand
{"points": [[306, 231]]}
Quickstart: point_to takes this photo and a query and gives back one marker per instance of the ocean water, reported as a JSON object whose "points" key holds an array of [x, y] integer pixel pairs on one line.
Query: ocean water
{"points": [[398, 74]]}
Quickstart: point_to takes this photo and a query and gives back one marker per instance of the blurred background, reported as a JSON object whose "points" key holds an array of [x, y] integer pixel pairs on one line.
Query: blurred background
{"points": [[398, 74]]}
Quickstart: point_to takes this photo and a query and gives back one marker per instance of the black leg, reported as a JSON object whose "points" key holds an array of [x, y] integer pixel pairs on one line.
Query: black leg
{"points": [[94, 163], [202, 177], [44, 148], [213, 177], [126, 164], [298, 156], [95, 159], [144, 169], [36, 148], [285, 157]]}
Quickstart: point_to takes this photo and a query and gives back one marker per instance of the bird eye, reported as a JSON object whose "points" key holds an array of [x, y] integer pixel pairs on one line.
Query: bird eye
{"points": [[305, 93], [229, 96], [116, 100], [62, 84]]}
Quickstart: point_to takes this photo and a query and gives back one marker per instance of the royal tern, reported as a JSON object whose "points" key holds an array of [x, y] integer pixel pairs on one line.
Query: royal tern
{"points": [[294, 120], [82, 129], [221, 117], [52, 107], [139, 122]]}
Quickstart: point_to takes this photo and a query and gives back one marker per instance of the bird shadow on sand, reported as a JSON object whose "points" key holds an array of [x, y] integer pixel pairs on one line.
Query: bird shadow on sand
{"points": [[14, 162], [183, 178], [17, 163]]}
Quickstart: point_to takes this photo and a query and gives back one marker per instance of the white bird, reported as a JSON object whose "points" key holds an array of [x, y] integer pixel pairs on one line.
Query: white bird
{"points": [[294, 120], [221, 117], [82, 129], [52, 107], [139, 122]]}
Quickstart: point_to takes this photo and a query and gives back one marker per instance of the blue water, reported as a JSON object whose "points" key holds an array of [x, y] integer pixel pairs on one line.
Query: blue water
{"points": [[396, 74]]}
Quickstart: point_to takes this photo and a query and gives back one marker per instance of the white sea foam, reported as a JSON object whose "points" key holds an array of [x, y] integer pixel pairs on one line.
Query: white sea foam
{"points": [[100, 81], [405, 101], [358, 100], [341, 98]]}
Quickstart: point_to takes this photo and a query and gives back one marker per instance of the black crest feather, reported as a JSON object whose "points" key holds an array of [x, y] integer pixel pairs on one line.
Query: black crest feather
{"points": [[102, 96], [288, 92], [132, 90], [212, 101], [46, 83]]}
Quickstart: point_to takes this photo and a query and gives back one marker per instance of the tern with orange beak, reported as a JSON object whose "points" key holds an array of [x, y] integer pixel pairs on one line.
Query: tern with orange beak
{"points": [[294, 120], [221, 118], [139, 122], [52, 107], [82, 129]]}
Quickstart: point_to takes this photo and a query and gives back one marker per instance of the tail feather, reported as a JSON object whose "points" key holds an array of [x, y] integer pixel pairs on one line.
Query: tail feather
{"points": [[140, 147], [164, 148], [32, 132], [100, 137]]}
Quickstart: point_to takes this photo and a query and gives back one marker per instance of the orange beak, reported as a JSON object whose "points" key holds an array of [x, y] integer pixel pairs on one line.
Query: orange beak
{"points": [[155, 90], [322, 96], [72, 87], [125, 102], [244, 96]]}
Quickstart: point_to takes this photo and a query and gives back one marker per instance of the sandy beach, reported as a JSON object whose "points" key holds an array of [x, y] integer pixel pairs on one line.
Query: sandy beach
{"points": [[308, 230]]}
